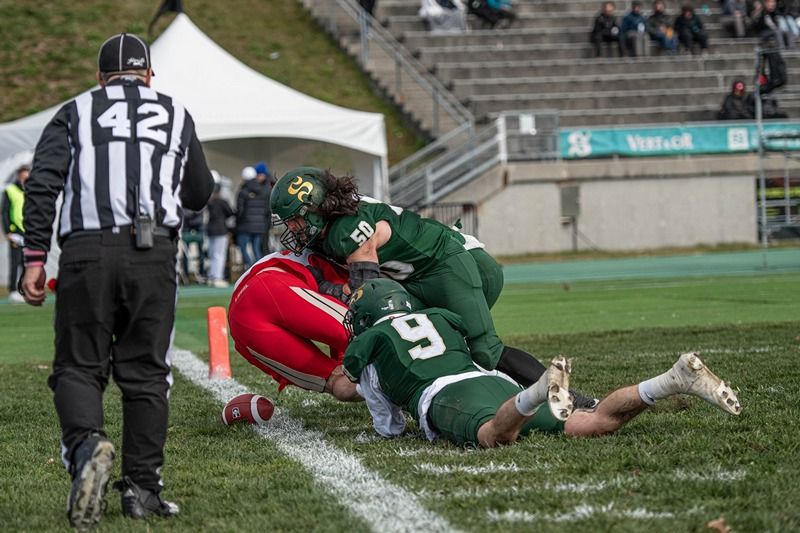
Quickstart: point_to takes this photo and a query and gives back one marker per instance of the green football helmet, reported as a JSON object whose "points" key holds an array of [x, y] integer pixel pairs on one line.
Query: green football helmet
{"points": [[374, 300], [299, 193]]}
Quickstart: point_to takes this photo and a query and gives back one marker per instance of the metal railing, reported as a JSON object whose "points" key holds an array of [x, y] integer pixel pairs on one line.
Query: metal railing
{"points": [[406, 68], [512, 136], [774, 214], [450, 213]]}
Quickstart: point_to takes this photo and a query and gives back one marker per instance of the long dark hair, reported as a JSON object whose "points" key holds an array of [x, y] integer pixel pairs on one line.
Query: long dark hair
{"points": [[341, 197]]}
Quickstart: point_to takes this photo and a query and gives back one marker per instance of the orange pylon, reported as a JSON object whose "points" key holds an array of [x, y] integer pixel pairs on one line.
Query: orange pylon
{"points": [[219, 361]]}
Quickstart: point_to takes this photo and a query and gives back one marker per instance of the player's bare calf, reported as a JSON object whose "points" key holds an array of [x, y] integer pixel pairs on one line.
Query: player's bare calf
{"points": [[689, 375]]}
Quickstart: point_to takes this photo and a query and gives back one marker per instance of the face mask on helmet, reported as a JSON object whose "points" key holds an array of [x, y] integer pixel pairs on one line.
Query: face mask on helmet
{"points": [[294, 201], [374, 300]]}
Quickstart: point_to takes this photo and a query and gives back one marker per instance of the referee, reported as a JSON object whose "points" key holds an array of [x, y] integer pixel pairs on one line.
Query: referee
{"points": [[127, 160]]}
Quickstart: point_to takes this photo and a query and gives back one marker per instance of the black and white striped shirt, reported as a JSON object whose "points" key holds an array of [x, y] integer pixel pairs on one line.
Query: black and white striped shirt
{"points": [[115, 152]]}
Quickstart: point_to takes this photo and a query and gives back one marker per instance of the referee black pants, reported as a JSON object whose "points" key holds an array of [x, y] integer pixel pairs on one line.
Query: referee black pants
{"points": [[115, 309]]}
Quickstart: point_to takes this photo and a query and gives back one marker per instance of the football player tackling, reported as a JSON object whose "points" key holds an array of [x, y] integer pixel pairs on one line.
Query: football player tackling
{"points": [[437, 265], [417, 360]]}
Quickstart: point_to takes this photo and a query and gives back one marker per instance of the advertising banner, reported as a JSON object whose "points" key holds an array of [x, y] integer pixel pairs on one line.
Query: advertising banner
{"points": [[587, 143]]}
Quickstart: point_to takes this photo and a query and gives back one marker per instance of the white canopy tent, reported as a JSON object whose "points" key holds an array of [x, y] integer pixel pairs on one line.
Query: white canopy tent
{"points": [[241, 117]]}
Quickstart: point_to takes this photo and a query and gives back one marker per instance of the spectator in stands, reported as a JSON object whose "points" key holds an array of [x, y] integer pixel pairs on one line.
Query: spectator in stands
{"points": [[738, 105], [767, 26], [741, 105], [218, 213], [444, 16], [605, 29], [734, 17], [493, 13], [787, 16], [632, 31], [659, 27], [690, 29]]}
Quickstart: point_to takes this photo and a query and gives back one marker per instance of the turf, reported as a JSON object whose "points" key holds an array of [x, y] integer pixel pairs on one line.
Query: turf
{"points": [[675, 468]]}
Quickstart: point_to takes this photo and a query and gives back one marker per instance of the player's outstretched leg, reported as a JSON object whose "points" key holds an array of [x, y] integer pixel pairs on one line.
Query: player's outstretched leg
{"points": [[553, 387], [689, 375]]}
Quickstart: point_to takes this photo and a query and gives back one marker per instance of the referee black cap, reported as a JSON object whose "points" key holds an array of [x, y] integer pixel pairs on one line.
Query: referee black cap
{"points": [[124, 51]]}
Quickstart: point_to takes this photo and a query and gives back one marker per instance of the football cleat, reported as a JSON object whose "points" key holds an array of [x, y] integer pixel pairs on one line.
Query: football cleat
{"points": [[92, 468], [139, 503], [558, 396], [583, 401], [693, 377]]}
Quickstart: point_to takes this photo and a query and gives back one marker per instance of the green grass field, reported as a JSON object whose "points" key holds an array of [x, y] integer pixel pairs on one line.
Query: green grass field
{"points": [[673, 469]]}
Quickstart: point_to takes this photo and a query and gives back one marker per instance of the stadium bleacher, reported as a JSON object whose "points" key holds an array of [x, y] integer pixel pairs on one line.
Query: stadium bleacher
{"points": [[545, 61]]}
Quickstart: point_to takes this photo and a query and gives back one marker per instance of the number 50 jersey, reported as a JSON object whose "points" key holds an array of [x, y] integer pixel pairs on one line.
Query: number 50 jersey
{"points": [[416, 246], [409, 353]]}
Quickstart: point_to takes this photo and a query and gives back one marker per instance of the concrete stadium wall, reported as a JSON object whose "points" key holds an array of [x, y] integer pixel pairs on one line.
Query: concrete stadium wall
{"points": [[625, 204]]}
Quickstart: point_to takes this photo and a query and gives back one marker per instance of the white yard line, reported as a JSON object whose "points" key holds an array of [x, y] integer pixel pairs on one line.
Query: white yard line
{"points": [[490, 468], [583, 512], [383, 506]]}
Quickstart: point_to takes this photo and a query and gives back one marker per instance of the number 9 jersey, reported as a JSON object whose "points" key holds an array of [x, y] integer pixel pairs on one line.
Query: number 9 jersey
{"points": [[416, 246], [410, 352]]}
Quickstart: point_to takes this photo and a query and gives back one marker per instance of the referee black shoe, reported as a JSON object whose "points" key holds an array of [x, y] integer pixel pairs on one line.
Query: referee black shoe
{"points": [[139, 503], [91, 470]]}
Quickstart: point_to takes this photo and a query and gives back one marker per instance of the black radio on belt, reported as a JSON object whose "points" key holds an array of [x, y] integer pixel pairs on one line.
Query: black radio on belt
{"points": [[143, 228]]}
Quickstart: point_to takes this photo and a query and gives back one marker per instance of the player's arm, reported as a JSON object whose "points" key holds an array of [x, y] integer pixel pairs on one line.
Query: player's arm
{"points": [[357, 239], [363, 262], [358, 356]]}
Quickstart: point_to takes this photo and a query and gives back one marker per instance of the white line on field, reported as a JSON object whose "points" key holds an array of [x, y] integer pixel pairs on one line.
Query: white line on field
{"points": [[490, 468], [582, 512], [383, 506]]}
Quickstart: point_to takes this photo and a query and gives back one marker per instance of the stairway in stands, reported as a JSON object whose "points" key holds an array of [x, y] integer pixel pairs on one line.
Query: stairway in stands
{"points": [[545, 62]]}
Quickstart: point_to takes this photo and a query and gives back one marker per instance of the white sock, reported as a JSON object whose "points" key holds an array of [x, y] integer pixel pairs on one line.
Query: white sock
{"points": [[658, 388], [531, 398]]}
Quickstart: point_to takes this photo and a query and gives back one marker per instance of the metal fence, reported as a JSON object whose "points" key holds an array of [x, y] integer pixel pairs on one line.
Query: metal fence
{"points": [[377, 45], [464, 215], [466, 154], [778, 196]]}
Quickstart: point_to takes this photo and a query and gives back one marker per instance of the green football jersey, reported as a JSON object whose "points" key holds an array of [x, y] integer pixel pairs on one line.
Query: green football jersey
{"points": [[416, 244], [409, 353]]}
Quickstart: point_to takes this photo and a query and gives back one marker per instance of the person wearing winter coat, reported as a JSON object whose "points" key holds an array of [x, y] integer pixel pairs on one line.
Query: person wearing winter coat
{"points": [[605, 29], [690, 29], [659, 27], [218, 213], [632, 31], [738, 105], [253, 217]]}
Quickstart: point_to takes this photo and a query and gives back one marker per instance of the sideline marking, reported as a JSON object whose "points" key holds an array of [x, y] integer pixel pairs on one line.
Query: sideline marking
{"points": [[384, 507]]}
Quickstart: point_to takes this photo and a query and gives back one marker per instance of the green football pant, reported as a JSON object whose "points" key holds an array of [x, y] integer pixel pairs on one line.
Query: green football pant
{"points": [[491, 275], [461, 408], [455, 284]]}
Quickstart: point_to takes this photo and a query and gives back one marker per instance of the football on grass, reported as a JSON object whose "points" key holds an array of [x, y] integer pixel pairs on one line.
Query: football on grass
{"points": [[247, 408]]}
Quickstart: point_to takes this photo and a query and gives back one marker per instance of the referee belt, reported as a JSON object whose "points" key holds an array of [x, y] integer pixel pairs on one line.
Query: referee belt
{"points": [[120, 234]]}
